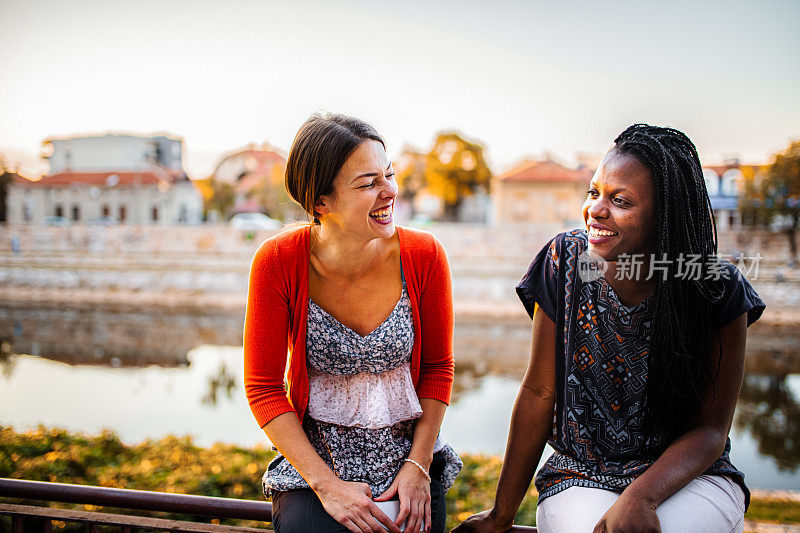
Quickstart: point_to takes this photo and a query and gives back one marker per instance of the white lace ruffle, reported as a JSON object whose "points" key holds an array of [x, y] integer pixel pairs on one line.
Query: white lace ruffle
{"points": [[363, 400]]}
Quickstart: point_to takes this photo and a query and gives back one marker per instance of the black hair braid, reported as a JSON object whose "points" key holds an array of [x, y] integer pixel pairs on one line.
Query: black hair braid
{"points": [[679, 357]]}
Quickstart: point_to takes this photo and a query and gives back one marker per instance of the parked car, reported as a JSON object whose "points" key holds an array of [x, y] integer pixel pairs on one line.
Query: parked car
{"points": [[254, 222], [103, 221], [60, 222]]}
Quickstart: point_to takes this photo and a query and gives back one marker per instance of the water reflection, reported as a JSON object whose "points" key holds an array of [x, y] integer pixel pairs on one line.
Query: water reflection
{"points": [[6, 359], [768, 409], [153, 349], [117, 338], [223, 381]]}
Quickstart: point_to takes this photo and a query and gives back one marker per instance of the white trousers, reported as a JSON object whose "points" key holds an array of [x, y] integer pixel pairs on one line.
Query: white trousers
{"points": [[709, 504]]}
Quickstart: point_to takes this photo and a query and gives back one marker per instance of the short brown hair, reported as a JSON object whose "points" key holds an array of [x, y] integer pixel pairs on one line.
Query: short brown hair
{"points": [[318, 152]]}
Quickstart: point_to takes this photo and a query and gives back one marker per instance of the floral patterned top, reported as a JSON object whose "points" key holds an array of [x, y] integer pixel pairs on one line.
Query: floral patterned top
{"points": [[362, 402]]}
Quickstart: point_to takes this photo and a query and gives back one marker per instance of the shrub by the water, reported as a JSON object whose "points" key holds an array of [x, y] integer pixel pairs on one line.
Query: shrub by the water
{"points": [[176, 465]]}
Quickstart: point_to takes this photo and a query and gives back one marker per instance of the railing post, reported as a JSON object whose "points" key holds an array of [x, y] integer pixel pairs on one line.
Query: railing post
{"points": [[19, 523]]}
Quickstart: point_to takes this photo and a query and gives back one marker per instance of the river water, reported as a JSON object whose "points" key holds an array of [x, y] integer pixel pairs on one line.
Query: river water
{"points": [[145, 375]]}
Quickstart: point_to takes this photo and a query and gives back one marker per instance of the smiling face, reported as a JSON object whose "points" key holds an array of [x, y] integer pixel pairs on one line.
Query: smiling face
{"points": [[619, 210], [363, 195]]}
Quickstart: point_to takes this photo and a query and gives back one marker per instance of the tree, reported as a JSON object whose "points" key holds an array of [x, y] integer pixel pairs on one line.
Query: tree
{"points": [[272, 198], [776, 198], [410, 176], [222, 200], [454, 169], [6, 178]]}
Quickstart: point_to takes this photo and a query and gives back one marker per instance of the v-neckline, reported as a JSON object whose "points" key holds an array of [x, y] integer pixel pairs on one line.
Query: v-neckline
{"points": [[403, 293], [351, 330]]}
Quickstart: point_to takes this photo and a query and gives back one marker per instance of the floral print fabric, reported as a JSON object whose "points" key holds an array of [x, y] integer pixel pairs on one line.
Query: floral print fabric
{"points": [[362, 402]]}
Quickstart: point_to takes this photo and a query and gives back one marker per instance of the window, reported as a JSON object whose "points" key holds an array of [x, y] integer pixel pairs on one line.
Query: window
{"points": [[59, 210], [122, 213], [155, 213], [106, 211], [76, 213]]}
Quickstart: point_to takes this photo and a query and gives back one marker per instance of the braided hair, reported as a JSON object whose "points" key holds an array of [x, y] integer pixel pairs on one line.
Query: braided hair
{"points": [[679, 367]]}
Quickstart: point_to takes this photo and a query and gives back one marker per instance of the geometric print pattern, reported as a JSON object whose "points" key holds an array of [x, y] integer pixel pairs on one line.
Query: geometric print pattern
{"points": [[598, 437]]}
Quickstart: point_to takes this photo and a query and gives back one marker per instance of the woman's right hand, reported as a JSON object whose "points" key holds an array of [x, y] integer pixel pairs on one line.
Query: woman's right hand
{"points": [[483, 522], [350, 504]]}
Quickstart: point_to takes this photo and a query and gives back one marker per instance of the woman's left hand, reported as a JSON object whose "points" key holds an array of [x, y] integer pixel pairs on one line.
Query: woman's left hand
{"points": [[414, 491], [629, 513]]}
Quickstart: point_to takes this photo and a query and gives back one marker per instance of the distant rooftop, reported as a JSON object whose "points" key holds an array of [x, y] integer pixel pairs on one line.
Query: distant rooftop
{"points": [[106, 179], [547, 171]]}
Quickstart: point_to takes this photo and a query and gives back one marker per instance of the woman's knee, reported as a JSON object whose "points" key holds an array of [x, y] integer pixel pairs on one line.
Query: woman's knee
{"points": [[574, 509], [713, 504]]}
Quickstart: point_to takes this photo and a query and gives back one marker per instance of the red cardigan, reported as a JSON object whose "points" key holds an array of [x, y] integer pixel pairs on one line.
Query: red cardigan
{"points": [[277, 311]]}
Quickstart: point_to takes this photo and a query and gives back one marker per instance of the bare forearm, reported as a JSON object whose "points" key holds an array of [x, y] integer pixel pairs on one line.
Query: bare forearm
{"points": [[426, 430], [687, 457], [286, 433], [531, 423]]}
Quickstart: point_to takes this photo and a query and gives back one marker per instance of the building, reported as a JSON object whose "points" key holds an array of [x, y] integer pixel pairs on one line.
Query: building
{"points": [[112, 152], [725, 184], [541, 192], [109, 179], [256, 174]]}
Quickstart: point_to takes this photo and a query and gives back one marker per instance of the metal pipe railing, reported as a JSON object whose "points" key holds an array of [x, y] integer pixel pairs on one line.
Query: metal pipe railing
{"points": [[137, 499], [149, 501]]}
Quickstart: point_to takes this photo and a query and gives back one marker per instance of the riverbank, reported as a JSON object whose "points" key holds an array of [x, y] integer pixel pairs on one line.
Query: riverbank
{"points": [[175, 464]]}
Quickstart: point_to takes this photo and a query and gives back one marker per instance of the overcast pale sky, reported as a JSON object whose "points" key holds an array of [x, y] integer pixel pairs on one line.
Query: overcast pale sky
{"points": [[521, 77]]}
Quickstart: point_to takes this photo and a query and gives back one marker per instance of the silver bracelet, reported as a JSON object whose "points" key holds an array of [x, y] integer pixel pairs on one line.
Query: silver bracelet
{"points": [[424, 472]]}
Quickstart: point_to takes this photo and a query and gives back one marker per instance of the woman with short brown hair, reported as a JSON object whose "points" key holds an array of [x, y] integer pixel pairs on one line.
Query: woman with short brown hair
{"points": [[365, 311]]}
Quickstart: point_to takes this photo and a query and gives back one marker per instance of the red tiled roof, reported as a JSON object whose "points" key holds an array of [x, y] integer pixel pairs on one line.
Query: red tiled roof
{"points": [[264, 159], [262, 155], [545, 172], [101, 178], [19, 178]]}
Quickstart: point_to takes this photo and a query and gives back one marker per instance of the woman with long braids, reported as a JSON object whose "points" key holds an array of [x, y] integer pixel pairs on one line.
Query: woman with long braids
{"points": [[639, 333]]}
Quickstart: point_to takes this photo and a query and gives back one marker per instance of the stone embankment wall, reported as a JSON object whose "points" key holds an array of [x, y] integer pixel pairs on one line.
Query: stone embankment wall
{"points": [[181, 284], [207, 266]]}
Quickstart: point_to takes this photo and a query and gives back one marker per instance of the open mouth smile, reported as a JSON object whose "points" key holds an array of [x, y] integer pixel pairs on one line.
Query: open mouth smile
{"points": [[600, 235], [382, 215]]}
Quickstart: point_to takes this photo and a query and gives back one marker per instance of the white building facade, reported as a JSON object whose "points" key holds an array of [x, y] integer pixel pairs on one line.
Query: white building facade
{"points": [[112, 152], [111, 179]]}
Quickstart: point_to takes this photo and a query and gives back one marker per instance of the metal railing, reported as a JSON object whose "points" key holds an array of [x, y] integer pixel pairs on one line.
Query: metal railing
{"points": [[220, 508]]}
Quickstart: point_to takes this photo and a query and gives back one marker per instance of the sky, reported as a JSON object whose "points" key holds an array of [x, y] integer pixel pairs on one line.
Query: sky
{"points": [[523, 78]]}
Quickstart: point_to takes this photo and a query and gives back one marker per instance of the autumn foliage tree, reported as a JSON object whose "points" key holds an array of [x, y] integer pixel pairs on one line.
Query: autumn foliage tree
{"points": [[410, 175], [222, 200], [454, 169], [776, 196]]}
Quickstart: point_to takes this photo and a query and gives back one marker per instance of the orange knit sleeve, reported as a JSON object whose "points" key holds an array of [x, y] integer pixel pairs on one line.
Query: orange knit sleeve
{"points": [[266, 335], [436, 323]]}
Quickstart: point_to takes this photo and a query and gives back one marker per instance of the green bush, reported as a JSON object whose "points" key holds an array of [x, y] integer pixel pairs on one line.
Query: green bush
{"points": [[176, 465]]}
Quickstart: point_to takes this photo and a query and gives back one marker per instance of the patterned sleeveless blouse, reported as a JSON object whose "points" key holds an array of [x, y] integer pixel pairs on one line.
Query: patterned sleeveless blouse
{"points": [[601, 369], [362, 403]]}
